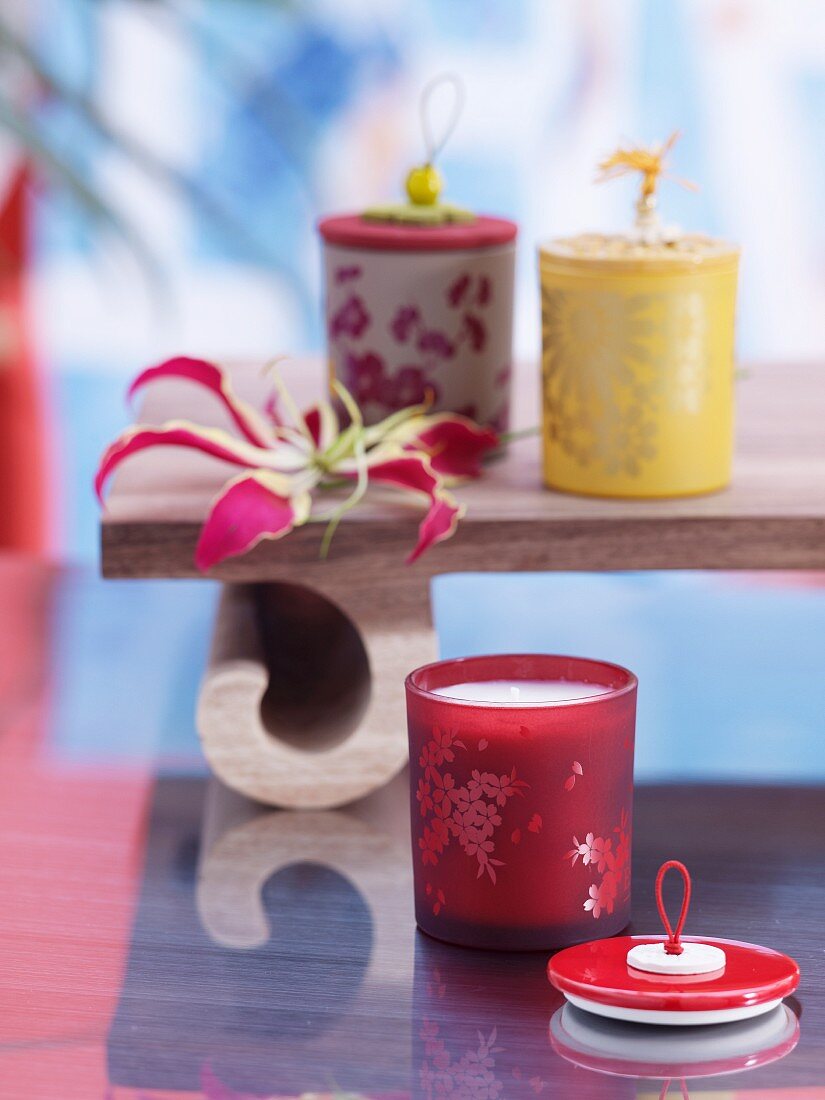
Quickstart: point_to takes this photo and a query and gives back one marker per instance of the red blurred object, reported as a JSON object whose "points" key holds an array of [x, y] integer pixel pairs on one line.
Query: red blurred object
{"points": [[354, 231], [23, 502], [71, 844], [521, 814]]}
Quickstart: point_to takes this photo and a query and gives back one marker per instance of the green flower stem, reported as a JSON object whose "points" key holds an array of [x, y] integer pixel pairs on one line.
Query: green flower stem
{"points": [[522, 433], [359, 452], [352, 500]]}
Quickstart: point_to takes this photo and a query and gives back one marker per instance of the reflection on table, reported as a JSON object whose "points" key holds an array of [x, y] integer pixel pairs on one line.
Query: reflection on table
{"points": [[161, 939], [265, 952], [274, 954]]}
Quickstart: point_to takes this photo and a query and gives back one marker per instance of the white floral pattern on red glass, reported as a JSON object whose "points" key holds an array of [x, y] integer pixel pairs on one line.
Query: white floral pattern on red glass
{"points": [[465, 812], [570, 781], [611, 862]]}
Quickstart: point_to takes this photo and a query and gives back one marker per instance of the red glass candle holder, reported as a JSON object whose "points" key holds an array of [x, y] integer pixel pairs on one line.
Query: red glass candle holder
{"points": [[521, 811]]}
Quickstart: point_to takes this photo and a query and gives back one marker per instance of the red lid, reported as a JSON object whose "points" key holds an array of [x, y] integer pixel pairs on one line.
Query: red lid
{"points": [[598, 971], [357, 232]]}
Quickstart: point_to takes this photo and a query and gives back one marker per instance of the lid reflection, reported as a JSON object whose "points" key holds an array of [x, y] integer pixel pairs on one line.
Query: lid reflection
{"points": [[640, 1050]]}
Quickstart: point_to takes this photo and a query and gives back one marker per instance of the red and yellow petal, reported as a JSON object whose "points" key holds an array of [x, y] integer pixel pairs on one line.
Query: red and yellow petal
{"points": [[250, 508], [413, 472], [454, 444], [213, 378], [180, 433], [405, 471], [440, 523]]}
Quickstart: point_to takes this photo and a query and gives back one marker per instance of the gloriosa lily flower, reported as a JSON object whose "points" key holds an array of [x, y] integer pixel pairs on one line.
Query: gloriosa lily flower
{"points": [[285, 460]]}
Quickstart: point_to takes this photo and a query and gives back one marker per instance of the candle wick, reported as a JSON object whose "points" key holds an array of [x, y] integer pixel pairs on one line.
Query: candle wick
{"points": [[515, 693]]}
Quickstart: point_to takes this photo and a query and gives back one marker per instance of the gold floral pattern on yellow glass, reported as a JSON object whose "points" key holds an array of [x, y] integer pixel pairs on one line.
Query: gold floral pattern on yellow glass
{"points": [[600, 376], [687, 335], [612, 364]]}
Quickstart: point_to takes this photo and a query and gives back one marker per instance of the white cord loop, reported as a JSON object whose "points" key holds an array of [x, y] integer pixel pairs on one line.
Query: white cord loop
{"points": [[434, 148]]}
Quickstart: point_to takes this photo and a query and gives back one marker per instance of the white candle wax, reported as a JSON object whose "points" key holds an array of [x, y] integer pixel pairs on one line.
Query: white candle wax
{"points": [[521, 692]]}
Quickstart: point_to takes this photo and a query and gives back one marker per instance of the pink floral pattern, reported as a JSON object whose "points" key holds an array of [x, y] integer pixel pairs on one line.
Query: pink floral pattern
{"points": [[351, 319], [408, 326], [437, 343], [457, 290], [347, 273], [467, 813], [404, 324], [409, 386], [367, 374], [475, 331], [611, 861]]}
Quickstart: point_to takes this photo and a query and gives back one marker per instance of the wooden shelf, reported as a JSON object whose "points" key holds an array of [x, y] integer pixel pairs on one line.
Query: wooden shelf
{"points": [[773, 517]]}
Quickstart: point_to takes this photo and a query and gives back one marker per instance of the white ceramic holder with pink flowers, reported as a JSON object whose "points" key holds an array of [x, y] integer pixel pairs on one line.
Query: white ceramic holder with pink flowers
{"points": [[419, 296], [415, 313]]}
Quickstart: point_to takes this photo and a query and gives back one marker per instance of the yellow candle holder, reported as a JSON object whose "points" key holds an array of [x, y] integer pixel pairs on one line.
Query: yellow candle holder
{"points": [[638, 358]]}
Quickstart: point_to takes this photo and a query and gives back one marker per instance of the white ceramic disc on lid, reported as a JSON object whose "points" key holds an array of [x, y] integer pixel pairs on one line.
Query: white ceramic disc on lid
{"points": [[695, 958]]}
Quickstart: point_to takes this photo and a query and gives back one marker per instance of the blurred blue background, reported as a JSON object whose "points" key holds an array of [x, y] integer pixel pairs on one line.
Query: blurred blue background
{"points": [[183, 152], [729, 667]]}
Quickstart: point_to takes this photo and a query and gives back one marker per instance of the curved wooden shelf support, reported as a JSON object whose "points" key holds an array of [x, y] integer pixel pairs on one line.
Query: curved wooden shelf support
{"points": [[302, 705]]}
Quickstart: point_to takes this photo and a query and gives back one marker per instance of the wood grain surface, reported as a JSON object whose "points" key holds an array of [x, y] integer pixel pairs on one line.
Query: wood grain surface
{"points": [[773, 516]]}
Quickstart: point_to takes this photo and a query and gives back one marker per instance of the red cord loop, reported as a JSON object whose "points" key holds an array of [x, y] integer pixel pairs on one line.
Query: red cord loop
{"points": [[673, 946], [666, 1089]]}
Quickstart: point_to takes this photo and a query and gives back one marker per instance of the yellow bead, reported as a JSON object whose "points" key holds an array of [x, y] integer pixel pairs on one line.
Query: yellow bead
{"points": [[424, 185]]}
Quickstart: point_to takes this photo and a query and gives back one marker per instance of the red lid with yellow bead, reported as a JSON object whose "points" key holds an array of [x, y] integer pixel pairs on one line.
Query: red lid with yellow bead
{"points": [[424, 223], [357, 231]]}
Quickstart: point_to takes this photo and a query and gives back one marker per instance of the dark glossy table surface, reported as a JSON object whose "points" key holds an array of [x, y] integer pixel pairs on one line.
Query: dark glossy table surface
{"points": [[162, 937]]}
